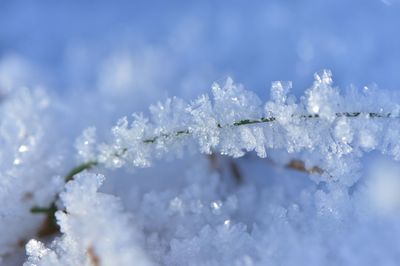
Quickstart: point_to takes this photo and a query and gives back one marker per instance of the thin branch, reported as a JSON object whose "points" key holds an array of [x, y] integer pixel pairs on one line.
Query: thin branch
{"points": [[269, 120], [80, 168], [94, 259], [299, 165]]}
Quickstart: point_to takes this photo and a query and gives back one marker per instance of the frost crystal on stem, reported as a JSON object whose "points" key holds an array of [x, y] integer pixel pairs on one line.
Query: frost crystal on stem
{"points": [[327, 129], [339, 128]]}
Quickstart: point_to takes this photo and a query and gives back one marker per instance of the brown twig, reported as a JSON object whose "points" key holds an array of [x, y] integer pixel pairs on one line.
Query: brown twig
{"points": [[299, 165], [233, 167], [235, 170], [94, 259]]}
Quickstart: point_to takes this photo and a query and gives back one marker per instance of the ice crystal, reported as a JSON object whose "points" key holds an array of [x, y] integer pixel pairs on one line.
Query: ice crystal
{"points": [[94, 227], [323, 123], [28, 166], [272, 217]]}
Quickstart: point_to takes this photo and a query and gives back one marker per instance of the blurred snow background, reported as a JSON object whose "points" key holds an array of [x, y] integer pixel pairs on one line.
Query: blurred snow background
{"points": [[100, 60], [178, 48]]}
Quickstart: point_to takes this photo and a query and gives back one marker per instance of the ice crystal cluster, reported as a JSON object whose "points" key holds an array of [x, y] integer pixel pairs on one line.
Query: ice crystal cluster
{"points": [[291, 168], [327, 128], [110, 237], [191, 200], [28, 165]]}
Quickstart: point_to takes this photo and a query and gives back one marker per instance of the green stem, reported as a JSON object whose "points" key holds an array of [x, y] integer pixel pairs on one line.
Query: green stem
{"points": [[49, 210], [267, 120], [78, 169]]}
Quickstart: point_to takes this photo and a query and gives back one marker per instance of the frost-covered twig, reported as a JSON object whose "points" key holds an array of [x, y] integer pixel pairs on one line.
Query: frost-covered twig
{"points": [[260, 121], [338, 128], [323, 128], [235, 122]]}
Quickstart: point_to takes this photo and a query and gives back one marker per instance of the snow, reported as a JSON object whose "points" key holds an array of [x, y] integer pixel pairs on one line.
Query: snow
{"points": [[28, 165], [212, 168], [94, 228], [272, 218]]}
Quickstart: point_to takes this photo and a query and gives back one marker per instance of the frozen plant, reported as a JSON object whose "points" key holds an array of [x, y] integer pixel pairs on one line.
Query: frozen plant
{"points": [[336, 128], [324, 127]]}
